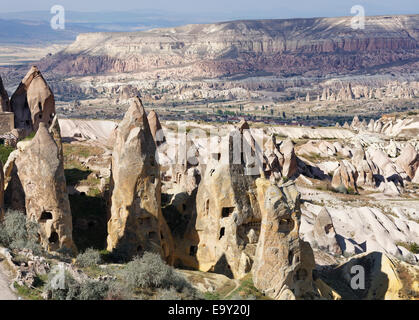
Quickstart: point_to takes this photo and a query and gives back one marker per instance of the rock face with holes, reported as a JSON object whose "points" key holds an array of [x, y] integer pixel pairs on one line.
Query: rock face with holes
{"points": [[228, 217], [33, 102], [40, 170], [324, 232], [283, 263], [4, 98], [136, 224]]}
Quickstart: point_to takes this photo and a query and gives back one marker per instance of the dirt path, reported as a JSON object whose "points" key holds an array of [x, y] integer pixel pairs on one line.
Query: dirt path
{"points": [[237, 282], [5, 292]]}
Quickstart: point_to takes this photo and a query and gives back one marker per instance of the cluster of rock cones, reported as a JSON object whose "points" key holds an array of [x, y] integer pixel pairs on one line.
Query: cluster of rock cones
{"points": [[220, 218]]}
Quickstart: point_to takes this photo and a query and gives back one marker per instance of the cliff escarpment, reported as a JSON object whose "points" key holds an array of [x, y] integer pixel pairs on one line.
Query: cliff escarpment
{"points": [[316, 46]]}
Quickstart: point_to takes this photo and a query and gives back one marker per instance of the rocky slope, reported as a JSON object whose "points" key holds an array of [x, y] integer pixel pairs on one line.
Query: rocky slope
{"points": [[314, 46]]}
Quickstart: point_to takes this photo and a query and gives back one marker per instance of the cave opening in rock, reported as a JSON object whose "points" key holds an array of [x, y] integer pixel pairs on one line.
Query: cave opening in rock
{"points": [[192, 251], [225, 212], [222, 232], [285, 225], [328, 228], [216, 156], [290, 257], [45, 215], [207, 206], [53, 238]]}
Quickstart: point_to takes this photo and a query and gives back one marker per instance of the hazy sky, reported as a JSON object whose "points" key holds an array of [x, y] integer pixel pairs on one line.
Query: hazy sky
{"points": [[252, 8]]}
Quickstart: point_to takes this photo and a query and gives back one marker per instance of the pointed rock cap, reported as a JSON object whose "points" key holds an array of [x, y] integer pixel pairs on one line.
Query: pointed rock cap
{"points": [[355, 121], [243, 125], [135, 111], [287, 147], [32, 73], [323, 218], [154, 123], [135, 117]]}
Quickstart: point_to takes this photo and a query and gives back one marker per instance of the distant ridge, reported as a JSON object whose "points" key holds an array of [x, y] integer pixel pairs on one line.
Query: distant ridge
{"points": [[316, 46]]}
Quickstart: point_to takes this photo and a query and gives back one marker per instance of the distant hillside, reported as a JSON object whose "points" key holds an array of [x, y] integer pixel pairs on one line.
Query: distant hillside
{"points": [[316, 46]]}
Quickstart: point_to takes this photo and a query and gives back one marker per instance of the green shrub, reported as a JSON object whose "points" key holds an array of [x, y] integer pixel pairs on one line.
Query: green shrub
{"points": [[150, 271], [414, 248], [93, 290], [118, 291], [18, 233], [73, 290], [5, 151], [168, 294], [89, 258]]}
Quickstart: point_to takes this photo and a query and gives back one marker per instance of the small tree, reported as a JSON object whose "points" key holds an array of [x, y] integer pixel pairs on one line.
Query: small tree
{"points": [[18, 233], [89, 258]]}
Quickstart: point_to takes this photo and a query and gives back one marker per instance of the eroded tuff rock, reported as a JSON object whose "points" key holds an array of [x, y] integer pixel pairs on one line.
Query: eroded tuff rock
{"points": [[280, 159], [273, 159], [155, 127], [283, 262], [136, 224], [289, 164], [366, 169], [387, 168], [292, 46], [33, 102], [324, 232], [40, 171], [408, 160], [228, 217], [4, 98], [345, 175]]}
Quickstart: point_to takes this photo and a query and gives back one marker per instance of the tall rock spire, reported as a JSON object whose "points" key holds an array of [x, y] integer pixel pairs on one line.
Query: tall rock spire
{"points": [[136, 224], [40, 170]]}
